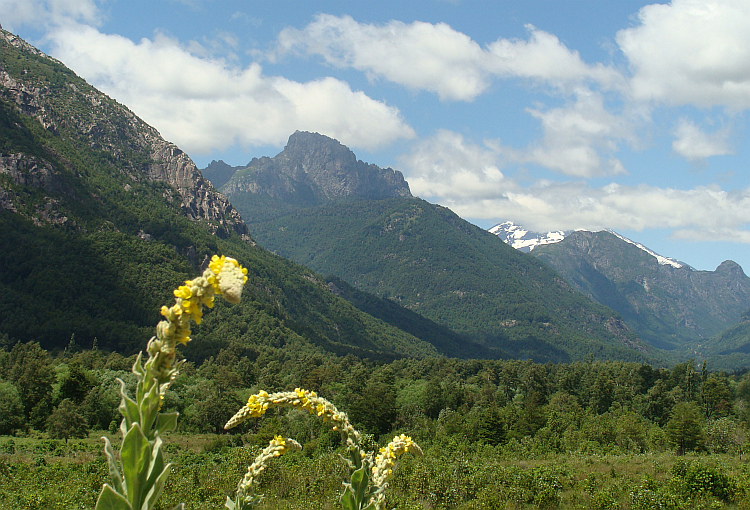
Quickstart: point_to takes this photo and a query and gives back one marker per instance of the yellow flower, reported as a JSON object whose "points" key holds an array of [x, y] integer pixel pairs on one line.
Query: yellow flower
{"points": [[228, 277]]}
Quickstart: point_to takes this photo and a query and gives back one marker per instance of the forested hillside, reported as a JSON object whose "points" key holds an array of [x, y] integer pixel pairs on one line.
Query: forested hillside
{"points": [[429, 260], [670, 305], [101, 218]]}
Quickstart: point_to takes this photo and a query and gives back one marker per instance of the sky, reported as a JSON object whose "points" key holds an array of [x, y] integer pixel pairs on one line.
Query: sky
{"points": [[626, 115]]}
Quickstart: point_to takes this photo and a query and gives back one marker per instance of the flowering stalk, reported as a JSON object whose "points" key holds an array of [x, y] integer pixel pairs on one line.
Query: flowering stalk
{"points": [[368, 480], [138, 479], [246, 499]]}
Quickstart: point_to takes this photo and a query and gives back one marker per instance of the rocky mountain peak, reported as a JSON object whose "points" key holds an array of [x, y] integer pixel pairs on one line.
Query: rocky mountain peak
{"points": [[314, 169], [71, 109], [730, 268]]}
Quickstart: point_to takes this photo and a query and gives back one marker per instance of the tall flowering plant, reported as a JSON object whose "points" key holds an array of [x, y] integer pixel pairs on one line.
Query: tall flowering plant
{"points": [[369, 472], [137, 479]]}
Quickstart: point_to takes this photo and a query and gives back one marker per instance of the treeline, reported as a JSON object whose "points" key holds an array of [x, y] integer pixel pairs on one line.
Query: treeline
{"points": [[611, 407]]}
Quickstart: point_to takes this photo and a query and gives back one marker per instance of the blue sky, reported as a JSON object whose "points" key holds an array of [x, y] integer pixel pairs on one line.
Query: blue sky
{"points": [[556, 115]]}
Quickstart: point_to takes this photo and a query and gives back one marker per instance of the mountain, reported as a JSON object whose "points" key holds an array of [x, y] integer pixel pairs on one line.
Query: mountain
{"points": [[425, 258], [730, 350], [100, 218], [668, 303], [218, 172], [312, 170], [525, 240]]}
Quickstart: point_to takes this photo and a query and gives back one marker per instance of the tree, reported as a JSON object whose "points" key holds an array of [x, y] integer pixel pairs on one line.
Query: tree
{"points": [[716, 397], [77, 383], [65, 421], [32, 373], [684, 430], [11, 409]]}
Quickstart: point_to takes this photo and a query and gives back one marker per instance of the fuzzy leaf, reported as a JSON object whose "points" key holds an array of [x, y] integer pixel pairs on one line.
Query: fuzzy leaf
{"points": [[128, 408], [360, 483], [111, 500], [114, 472], [156, 487], [348, 502], [136, 458], [166, 422]]}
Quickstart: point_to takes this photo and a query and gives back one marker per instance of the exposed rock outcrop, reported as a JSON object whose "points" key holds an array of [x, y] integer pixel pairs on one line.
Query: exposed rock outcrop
{"points": [[76, 110], [314, 169]]}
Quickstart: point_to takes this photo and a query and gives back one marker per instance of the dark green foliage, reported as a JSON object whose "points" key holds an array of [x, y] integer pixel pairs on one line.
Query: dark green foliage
{"points": [[30, 370], [12, 416], [66, 421], [685, 428], [427, 259]]}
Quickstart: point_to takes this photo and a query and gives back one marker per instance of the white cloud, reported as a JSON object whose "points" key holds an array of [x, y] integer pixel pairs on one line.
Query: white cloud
{"points": [[691, 52], [446, 165], [439, 59], [417, 55], [579, 139], [552, 206], [467, 178], [693, 144], [46, 13], [543, 57], [204, 104]]}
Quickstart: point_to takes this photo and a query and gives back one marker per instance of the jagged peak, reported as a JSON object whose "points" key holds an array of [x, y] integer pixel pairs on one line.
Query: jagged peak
{"points": [[315, 168]]}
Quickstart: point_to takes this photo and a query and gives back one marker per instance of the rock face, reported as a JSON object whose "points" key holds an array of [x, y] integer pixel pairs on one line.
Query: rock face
{"points": [[314, 169], [71, 110], [666, 304]]}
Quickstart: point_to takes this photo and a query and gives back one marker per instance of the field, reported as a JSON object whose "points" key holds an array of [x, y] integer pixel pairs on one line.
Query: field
{"points": [[40, 473]]}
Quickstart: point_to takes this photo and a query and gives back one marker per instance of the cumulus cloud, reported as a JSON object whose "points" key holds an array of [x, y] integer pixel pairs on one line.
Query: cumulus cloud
{"points": [[205, 104], [579, 139], [565, 205], [439, 59], [448, 166], [467, 177], [691, 52], [693, 144], [46, 13], [417, 55], [543, 57]]}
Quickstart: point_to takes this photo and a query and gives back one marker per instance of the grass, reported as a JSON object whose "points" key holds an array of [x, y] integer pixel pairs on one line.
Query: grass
{"points": [[39, 473]]}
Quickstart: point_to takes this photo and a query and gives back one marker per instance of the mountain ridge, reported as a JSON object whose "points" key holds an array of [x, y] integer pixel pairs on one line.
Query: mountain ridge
{"points": [[101, 219], [313, 169]]}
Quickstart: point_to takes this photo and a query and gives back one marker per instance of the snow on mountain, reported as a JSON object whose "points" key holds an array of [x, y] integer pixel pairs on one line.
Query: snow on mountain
{"points": [[525, 240], [664, 261]]}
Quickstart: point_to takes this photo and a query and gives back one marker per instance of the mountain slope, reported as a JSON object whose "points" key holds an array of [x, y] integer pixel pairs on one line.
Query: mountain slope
{"points": [[426, 258], [312, 170], [100, 218], [667, 303]]}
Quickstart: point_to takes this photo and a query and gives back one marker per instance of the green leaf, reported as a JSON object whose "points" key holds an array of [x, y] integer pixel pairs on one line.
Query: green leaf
{"points": [[136, 458], [166, 422], [114, 471], [128, 408], [360, 483], [230, 504], [111, 500], [156, 487], [348, 502], [149, 406]]}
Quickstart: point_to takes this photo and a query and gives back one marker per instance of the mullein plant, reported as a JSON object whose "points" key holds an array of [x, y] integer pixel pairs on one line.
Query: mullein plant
{"points": [[369, 473], [137, 480]]}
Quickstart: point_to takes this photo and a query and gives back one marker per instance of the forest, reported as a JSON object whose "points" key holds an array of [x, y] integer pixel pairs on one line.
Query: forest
{"points": [[495, 433]]}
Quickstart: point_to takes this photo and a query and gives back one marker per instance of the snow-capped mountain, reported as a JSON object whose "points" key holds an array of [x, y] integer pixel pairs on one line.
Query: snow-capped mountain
{"points": [[525, 240], [666, 302]]}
